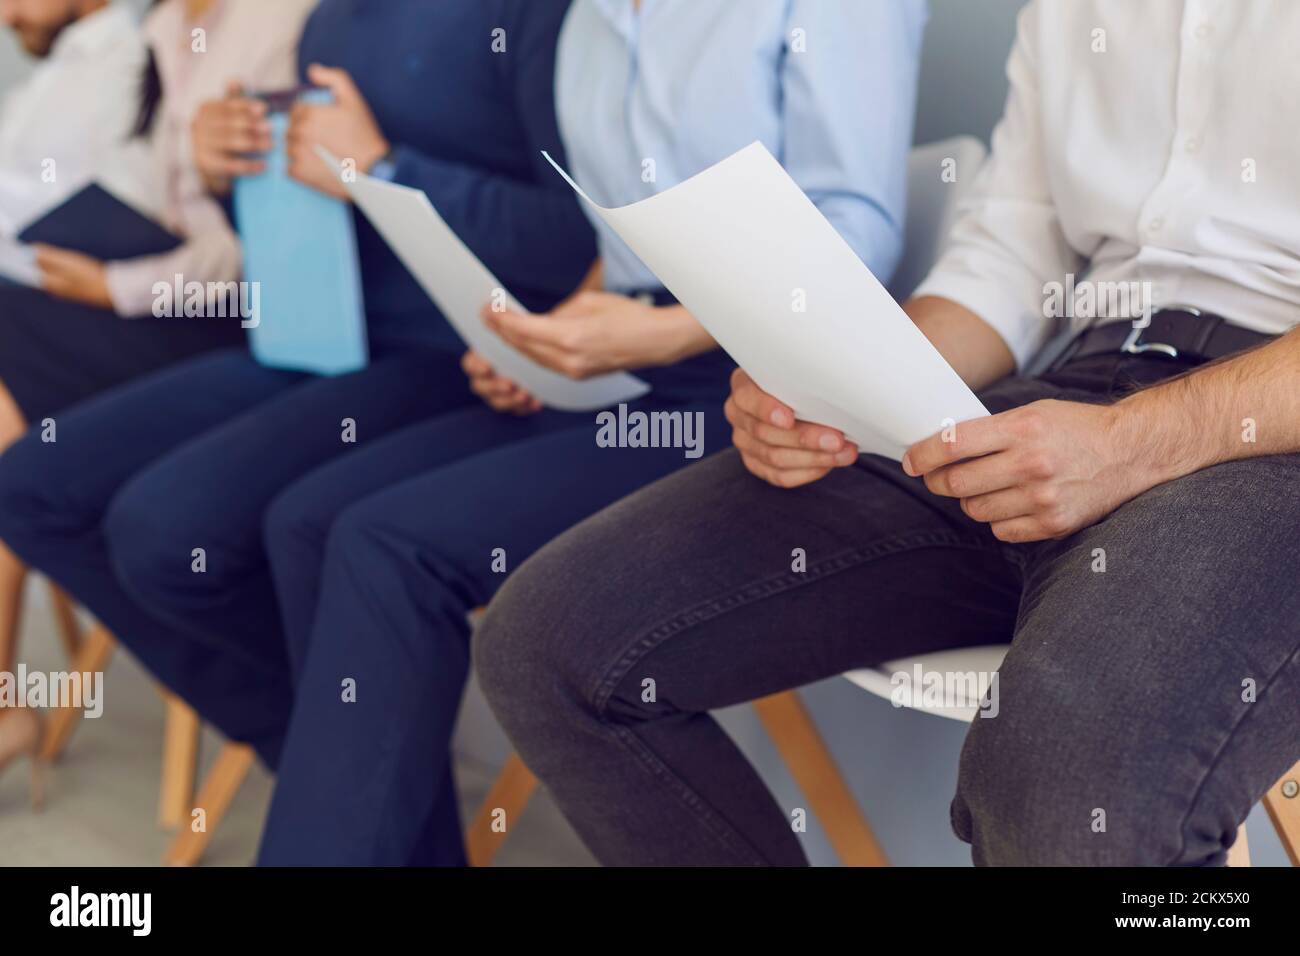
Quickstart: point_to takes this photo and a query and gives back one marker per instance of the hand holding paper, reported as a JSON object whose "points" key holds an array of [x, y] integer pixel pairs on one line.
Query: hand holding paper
{"points": [[460, 285], [758, 265]]}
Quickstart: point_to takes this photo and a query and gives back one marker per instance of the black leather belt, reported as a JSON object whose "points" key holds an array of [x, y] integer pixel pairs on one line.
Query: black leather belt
{"points": [[1175, 333]]}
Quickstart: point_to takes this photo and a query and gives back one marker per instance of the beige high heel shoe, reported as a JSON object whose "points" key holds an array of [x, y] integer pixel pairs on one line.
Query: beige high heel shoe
{"points": [[21, 729]]}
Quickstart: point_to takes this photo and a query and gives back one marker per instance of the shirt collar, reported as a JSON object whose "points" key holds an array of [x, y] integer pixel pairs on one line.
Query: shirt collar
{"points": [[101, 29]]}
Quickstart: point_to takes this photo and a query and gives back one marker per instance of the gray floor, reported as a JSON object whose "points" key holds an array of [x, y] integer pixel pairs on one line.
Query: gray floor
{"points": [[102, 797]]}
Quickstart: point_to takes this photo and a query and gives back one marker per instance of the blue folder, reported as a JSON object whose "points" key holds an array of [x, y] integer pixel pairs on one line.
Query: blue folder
{"points": [[300, 246], [96, 223]]}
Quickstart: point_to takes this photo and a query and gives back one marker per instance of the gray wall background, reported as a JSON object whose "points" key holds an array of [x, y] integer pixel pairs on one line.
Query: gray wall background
{"points": [[901, 765]]}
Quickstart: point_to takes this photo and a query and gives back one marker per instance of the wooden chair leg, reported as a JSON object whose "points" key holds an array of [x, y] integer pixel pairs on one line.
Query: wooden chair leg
{"points": [[1239, 853], [795, 735], [1283, 805], [65, 619], [179, 761], [510, 794], [92, 657], [219, 788]]}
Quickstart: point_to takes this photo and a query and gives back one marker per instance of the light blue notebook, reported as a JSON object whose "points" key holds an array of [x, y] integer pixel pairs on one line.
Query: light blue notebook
{"points": [[300, 246]]}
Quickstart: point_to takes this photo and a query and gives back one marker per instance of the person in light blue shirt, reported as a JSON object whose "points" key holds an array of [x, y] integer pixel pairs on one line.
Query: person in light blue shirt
{"points": [[651, 92], [827, 86], [379, 558]]}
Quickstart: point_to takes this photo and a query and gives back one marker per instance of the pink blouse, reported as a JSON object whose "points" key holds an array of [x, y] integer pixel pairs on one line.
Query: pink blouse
{"points": [[253, 42]]}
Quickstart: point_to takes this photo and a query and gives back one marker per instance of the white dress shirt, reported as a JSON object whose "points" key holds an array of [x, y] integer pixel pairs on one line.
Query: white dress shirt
{"points": [[76, 108], [1146, 142]]}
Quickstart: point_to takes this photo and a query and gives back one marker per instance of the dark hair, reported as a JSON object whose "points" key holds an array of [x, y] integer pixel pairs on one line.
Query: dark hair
{"points": [[151, 93]]}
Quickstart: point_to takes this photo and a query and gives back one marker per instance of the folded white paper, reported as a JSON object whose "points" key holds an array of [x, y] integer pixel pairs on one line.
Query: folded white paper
{"points": [[460, 285], [767, 275]]}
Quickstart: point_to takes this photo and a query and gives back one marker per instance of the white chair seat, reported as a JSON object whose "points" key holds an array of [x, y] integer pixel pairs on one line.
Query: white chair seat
{"points": [[978, 660]]}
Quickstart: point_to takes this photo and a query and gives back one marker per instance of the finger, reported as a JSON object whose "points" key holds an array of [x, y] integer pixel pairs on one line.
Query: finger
{"points": [[242, 135], [970, 439], [786, 459], [803, 435], [522, 402], [299, 116], [998, 506], [489, 314], [585, 304], [783, 479], [1020, 531], [56, 283], [558, 359], [979, 476], [338, 82], [754, 401], [56, 260], [496, 385], [474, 364], [536, 328]]}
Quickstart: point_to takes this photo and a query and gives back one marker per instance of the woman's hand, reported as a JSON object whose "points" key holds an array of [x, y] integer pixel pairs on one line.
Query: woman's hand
{"points": [[775, 446], [346, 127], [73, 276], [500, 393], [227, 135], [598, 332]]}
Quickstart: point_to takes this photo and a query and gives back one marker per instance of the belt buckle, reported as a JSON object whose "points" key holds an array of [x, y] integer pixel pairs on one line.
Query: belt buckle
{"points": [[1133, 345]]}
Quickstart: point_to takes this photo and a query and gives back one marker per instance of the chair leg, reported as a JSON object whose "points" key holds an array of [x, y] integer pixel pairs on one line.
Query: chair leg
{"points": [[1239, 853], [65, 619], [92, 657], [795, 735], [179, 761], [215, 796], [510, 793], [1283, 805]]}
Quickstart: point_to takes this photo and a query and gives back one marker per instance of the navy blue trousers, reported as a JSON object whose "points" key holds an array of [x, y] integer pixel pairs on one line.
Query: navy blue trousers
{"points": [[149, 509], [378, 559]]}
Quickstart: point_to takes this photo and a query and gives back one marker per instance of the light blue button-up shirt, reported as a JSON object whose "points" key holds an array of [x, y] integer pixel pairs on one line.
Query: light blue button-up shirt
{"points": [[649, 98]]}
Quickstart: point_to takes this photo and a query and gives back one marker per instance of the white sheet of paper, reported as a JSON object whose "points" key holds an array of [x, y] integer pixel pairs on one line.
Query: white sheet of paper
{"points": [[741, 247], [460, 285]]}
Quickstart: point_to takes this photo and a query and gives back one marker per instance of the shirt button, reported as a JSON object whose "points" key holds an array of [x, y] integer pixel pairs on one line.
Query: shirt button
{"points": [[1203, 31], [1192, 145], [1156, 224]]}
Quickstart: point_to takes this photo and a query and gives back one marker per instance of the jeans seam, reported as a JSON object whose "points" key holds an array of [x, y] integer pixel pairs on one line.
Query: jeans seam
{"points": [[716, 607], [1290, 659]]}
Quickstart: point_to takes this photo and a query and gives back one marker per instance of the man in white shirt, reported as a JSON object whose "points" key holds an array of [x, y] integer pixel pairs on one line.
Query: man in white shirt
{"points": [[78, 105], [1127, 520]]}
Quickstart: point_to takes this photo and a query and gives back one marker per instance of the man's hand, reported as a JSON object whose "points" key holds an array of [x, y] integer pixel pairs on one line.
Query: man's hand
{"points": [[72, 276], [500, 393], [227, 135], [346, 127], [774, 446], [1041, 471]]}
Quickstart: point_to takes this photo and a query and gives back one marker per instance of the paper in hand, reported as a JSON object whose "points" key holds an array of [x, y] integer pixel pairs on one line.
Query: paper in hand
{"points": [[751, 257], [460, 285]]}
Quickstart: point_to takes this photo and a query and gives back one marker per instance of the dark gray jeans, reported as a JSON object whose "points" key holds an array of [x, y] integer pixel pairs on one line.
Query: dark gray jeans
{"points": [[1143, 709]]}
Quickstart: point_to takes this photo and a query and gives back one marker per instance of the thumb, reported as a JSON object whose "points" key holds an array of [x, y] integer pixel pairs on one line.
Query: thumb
{"points": [[234, 90], [338, 82]]}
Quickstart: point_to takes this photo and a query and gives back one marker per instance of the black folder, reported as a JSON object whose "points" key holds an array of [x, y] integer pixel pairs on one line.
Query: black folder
{"points": [[96, 223]]}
